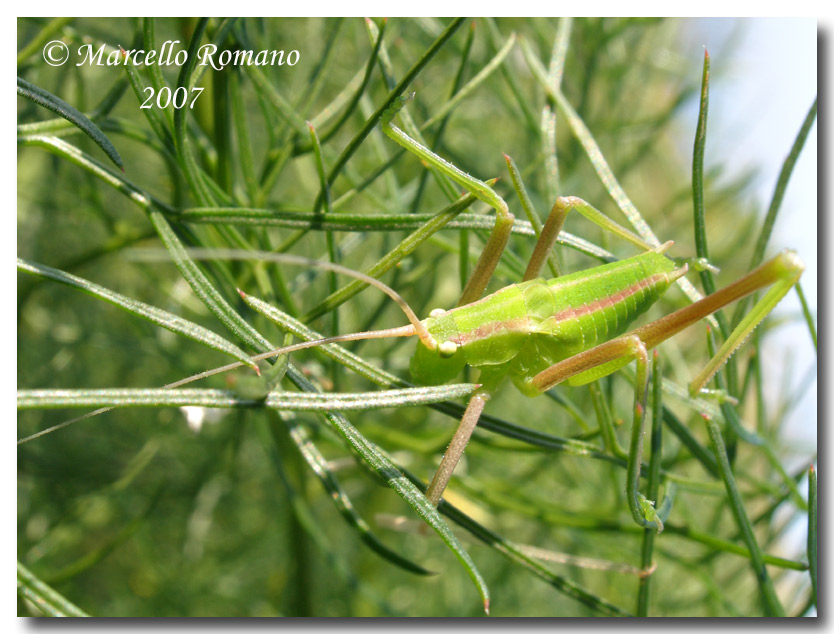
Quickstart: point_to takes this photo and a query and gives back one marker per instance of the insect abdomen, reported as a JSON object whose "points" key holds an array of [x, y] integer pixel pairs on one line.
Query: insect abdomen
{"points": [[596, 305]]}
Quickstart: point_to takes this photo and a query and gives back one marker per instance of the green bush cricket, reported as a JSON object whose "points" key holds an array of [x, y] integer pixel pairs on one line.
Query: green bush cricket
{"points": [[569, 329], [540, 333], [543, 471]]}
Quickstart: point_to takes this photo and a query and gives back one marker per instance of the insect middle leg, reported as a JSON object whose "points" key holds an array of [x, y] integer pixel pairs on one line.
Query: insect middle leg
{"points": [[556, 220], [456, 447]]}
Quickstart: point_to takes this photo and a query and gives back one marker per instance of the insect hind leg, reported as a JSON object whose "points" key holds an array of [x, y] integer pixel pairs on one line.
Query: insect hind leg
{"points": [[596, 363]]}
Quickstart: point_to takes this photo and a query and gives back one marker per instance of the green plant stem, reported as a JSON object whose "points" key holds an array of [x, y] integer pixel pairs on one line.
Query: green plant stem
{"points": [[767, 592], [652, 488], [812, 531]]}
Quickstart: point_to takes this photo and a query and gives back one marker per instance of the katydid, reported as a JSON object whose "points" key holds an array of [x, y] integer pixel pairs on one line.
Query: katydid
{"points": [[540, 333], [570, 329]]}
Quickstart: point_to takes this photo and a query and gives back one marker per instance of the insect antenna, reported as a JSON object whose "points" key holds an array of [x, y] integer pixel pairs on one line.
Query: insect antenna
{"points": [[416, 327], [298, 260], [401, 331]]}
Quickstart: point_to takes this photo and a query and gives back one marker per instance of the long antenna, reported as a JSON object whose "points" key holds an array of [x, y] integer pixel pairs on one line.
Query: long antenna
{"points": [[416, 327], [402, 331], [299, 260]]}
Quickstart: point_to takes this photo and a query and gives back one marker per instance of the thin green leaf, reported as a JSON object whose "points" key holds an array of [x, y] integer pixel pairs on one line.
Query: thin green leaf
{"points": [[472, 84], [812, 531], [193, 174], [290, 401], [63, 109], [321, 468], [153, 115], [806, 312], [245, 154], [699, 223], [84, 160], [514, 553], [324, 193], [555, 72], [357, 95], [140, 309], [395, 478], [393, 95], [776, 202], [284, 108], [395, 255], [653, 486], [529, 210], [45, 598], [543, 509], [782, 185], [435, 144], [37, 43], [495, 39], [363, 222], [154, 70], [198, 281], [766, 590]]}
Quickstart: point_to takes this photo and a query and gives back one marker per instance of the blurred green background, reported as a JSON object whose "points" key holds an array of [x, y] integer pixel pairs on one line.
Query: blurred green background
{"points": [[134, 513]]}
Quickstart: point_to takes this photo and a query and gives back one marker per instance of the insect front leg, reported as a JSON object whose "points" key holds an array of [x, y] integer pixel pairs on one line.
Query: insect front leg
{"points": [[494, 247]]}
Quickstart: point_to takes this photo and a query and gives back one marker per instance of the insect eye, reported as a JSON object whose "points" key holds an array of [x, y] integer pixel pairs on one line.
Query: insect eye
{"points": [[447, 349]]}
